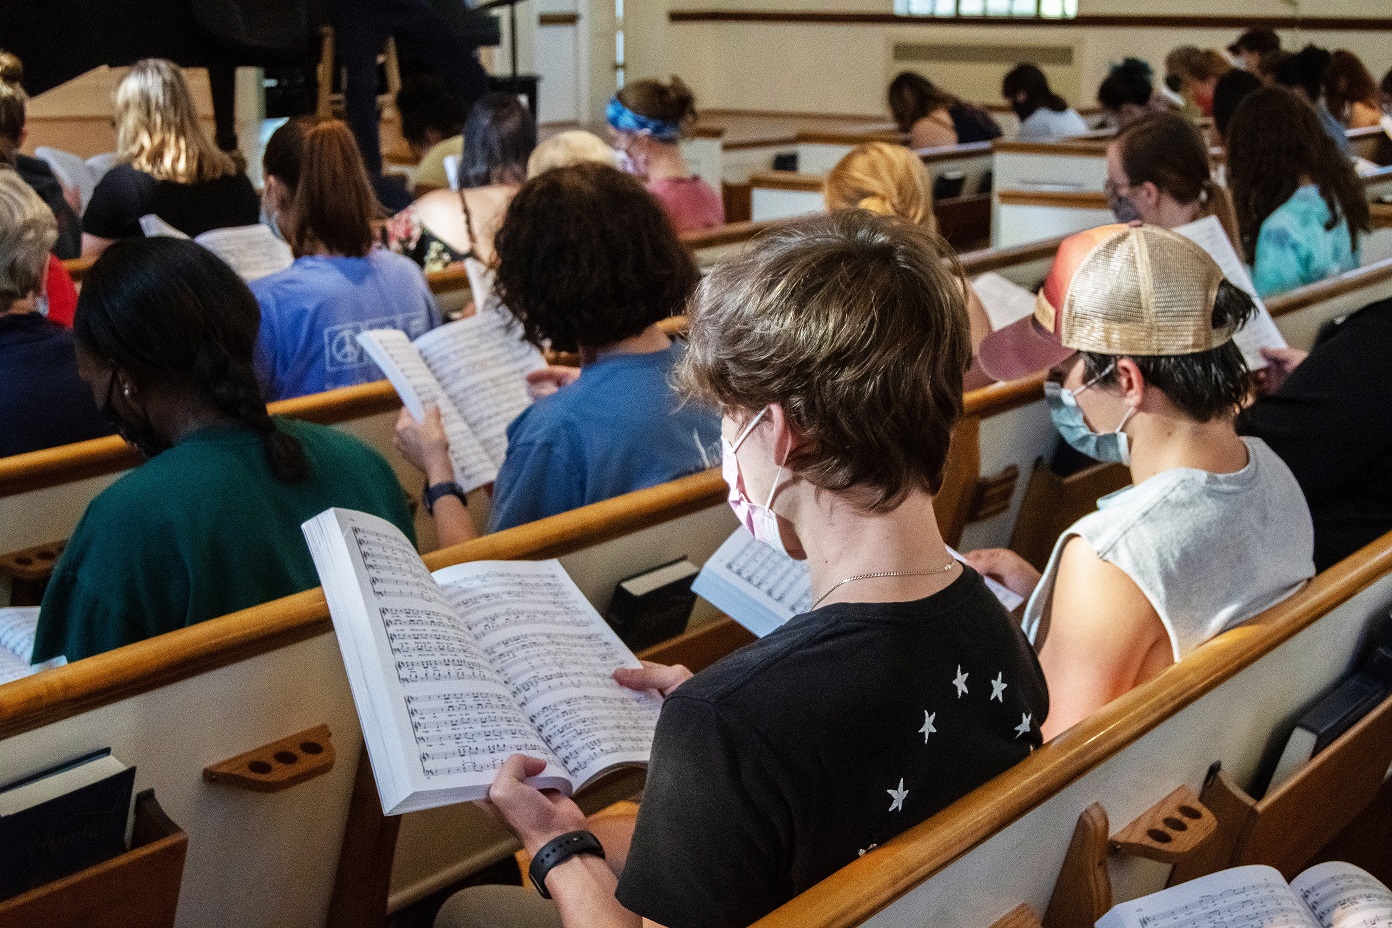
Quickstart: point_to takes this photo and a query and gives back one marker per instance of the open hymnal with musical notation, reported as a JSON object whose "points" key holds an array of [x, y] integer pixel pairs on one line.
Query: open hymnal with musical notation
{"points": [[761, 588], [1328, 895], [454, 672], [475, 370], [1260, 330], [252, 251]]}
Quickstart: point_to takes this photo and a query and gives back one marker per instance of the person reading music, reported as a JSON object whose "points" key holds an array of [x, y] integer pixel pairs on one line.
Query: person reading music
{"points": [[647, 121], [1158, 172], [166, 165], [342, 282], [44, 403], [1135, 325], [835, 348], [587, 263], [210, 523]]}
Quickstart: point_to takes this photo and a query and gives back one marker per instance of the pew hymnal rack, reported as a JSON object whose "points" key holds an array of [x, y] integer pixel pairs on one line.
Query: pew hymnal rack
{"points": [[453, 672], [475, 370], [1328, 895]]}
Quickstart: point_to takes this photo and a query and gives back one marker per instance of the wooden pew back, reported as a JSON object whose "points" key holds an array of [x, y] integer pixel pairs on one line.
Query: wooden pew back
{"points": [[1003, 844], [177, 703]]}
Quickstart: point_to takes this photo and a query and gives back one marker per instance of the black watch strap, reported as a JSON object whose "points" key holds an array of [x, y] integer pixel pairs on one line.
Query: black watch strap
{"points": [[434, 492], [557, 851]]}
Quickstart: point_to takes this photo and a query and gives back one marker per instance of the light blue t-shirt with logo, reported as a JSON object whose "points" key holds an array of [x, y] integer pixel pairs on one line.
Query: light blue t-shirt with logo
{"points": [[1294, 247], [312, 312], [620, 427]]}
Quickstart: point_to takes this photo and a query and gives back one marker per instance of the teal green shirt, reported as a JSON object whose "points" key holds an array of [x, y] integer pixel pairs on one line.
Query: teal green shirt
{"points": [[1294, 248], [202, 530]]}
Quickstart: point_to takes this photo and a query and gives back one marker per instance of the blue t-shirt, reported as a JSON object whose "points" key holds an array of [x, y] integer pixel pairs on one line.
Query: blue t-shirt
{"points": [[312, 312], [619, 428], [1294, 248]]}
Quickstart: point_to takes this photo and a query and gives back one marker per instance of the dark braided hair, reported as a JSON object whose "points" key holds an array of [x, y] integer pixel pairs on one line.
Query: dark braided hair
{"points": [[168, 312]]}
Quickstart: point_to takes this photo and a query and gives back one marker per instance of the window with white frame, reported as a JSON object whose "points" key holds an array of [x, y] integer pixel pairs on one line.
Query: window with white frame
{"points": [[1036, 9]]}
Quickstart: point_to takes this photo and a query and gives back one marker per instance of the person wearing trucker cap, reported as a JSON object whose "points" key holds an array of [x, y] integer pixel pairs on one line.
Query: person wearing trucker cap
{"points": [[1135, 326]]}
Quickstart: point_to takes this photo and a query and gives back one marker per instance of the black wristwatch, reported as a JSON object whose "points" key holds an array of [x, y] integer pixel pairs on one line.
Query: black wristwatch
{"points": [[557, 851], [435, 491]]}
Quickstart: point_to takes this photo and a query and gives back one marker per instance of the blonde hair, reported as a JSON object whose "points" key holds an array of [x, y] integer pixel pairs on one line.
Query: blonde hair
{"points": [[157, 127], [574, 146], [27, 233], [883, 178]]}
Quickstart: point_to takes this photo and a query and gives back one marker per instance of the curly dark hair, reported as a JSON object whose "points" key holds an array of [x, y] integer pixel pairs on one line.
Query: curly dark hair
{"points": [[1265, 166], [587, 258]]}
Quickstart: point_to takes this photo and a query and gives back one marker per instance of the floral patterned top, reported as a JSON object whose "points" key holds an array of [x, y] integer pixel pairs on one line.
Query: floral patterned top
{"points": [[405, 234]]}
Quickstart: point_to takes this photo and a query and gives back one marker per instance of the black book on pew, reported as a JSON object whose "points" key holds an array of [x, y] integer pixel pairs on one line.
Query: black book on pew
{"points": [[655, 605], [455, 671], [62, 820], [1336, 713], [1328, 895]]}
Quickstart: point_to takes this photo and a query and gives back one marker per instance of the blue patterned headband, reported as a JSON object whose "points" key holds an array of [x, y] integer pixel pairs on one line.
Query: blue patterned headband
{"points": [[623, 119]]}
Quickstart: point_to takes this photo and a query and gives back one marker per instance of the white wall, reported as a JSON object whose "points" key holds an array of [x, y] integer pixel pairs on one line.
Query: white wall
{"points": [[844, 68]]}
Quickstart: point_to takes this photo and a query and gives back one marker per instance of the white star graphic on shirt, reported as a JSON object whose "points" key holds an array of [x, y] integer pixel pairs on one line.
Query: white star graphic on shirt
{"points": [[1024, 727], [998, 686], [928, 728], [898, 796], [865, 850], [960, 682]]}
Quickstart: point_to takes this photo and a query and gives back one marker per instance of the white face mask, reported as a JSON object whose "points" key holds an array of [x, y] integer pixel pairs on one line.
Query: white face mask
{"points": [[760, 521]]}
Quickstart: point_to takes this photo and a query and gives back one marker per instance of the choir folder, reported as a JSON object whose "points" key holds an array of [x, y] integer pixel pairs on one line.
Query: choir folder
{"points": [[453, 672]]}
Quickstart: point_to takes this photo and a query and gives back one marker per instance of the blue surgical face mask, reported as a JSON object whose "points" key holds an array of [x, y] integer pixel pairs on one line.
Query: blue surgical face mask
{"points": [[1068, 419]]}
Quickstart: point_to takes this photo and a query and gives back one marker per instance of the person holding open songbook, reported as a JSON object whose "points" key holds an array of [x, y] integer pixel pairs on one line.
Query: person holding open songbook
{"points": [[342, 283], [210, 523], [1158, 172], [835, 349], [1135, 325], [587, 263]]}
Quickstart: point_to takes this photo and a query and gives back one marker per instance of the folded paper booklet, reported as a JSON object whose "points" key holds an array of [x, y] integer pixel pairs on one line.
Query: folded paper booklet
{"points": [[1004, 301], [1328, 895], [454, 672], [762, 589], [252, 251], [1260, 331], [475, 370]]}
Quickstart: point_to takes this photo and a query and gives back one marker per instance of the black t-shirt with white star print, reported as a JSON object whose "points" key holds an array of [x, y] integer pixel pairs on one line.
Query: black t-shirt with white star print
{"points": [[781, 763]]}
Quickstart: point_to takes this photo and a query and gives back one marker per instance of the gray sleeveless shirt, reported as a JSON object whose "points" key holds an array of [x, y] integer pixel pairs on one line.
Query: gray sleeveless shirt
{"points": [[1208, 550]]}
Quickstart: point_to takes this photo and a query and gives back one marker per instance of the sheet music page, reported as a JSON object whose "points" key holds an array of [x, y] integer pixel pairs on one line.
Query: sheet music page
{"points": [[1004, 300], [252, 251], [482, 364], [537, 629], [1241, 897], [762, 589], [438, 719], [153, 226], [1260, 331], [18, 624], [416, 385], [753, 584], [1344, 896]]}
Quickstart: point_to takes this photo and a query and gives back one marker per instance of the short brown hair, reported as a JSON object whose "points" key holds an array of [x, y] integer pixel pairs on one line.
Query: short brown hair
{"points": [[672, 102], [1166, 150], [856, 325], [332, 203], [13, 109]]}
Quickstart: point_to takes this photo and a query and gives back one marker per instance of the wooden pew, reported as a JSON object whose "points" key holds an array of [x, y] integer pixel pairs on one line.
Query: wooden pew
{"points": [[1004, 844], [1021, 216], [819, 150], [177, 703]]}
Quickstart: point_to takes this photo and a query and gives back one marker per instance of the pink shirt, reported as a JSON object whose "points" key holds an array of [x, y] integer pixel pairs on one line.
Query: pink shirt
{"points": [[690, 203]]}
